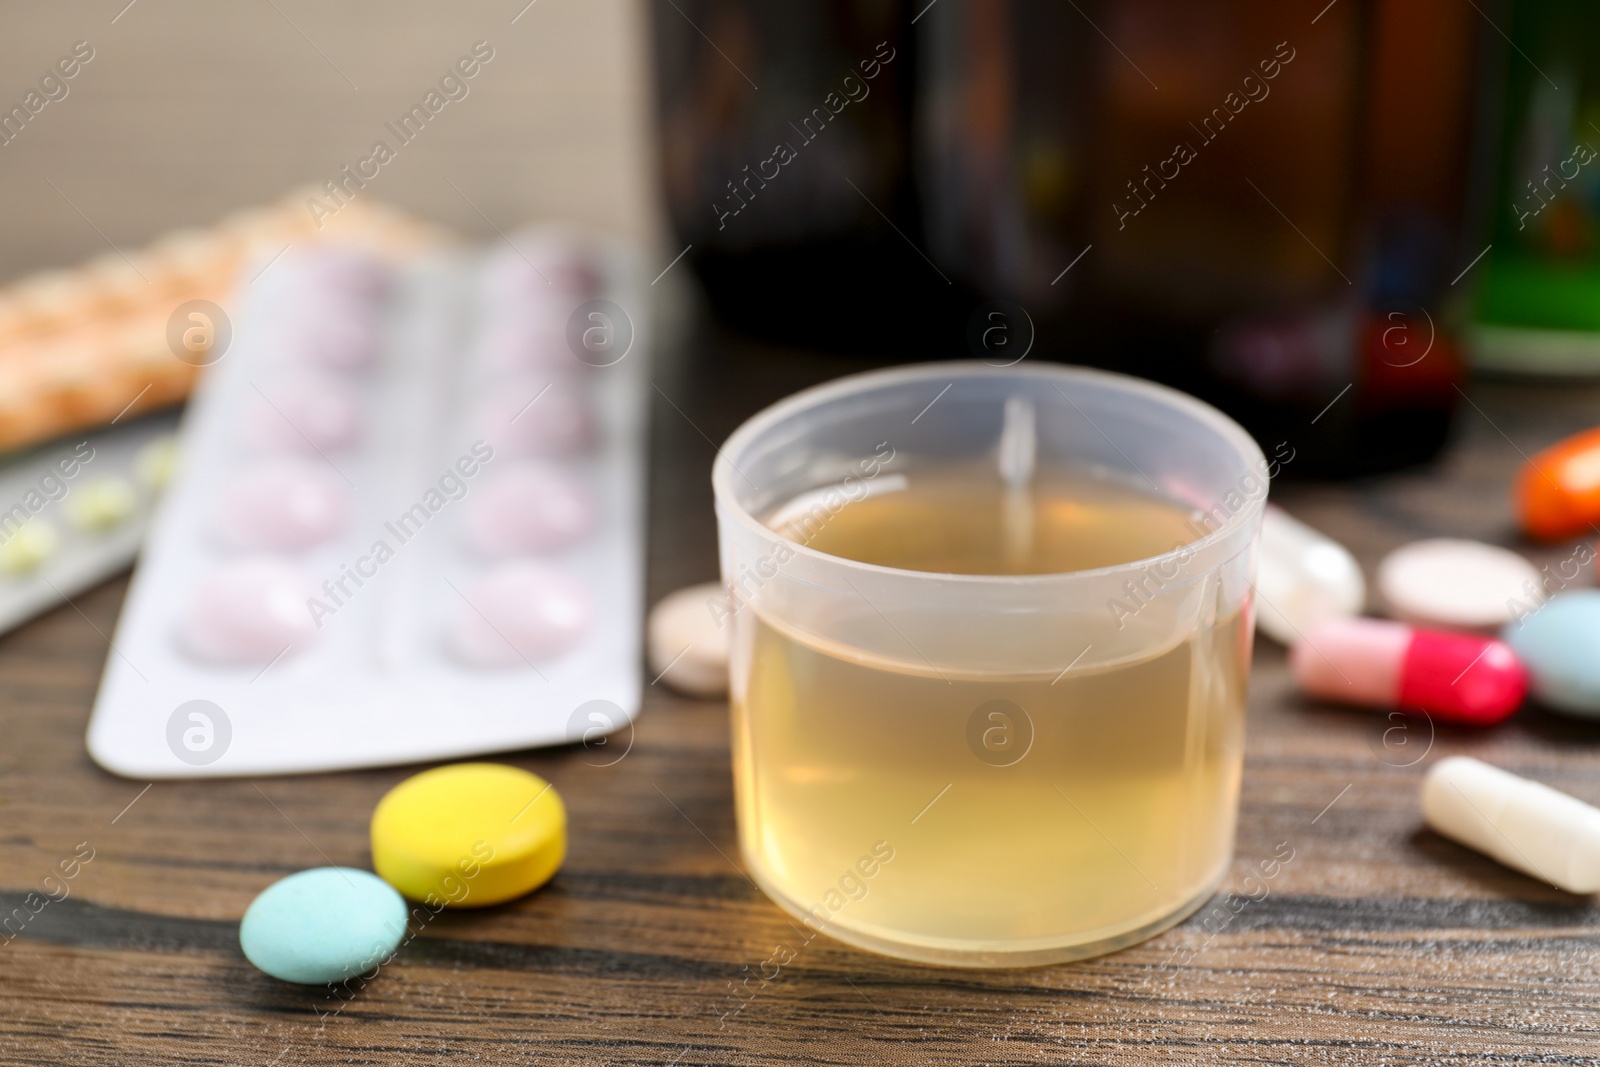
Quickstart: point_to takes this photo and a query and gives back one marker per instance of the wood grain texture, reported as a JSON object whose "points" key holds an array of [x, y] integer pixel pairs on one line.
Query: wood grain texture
{"points": [[1378, 942]]}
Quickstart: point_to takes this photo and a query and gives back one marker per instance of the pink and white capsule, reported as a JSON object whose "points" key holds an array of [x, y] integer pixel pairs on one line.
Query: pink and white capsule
{"points": [[1456, 677]]}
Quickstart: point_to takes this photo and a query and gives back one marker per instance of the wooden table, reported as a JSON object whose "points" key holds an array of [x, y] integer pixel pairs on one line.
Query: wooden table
{"points": [[1378, 942]]}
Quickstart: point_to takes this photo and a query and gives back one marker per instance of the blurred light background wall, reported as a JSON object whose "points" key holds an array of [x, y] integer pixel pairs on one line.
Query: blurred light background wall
{"points": [[194, 108]]}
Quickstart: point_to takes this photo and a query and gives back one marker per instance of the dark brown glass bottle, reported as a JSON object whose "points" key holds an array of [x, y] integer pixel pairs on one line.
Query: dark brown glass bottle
{"points": [[1263, 203]]}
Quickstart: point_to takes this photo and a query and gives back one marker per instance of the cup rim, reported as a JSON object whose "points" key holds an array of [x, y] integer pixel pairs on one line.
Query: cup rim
{"points": [[727, 503]]}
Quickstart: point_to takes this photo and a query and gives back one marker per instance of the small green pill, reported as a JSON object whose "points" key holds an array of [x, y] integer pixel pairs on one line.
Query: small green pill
{"points": [[28, 547], [154, 464], [323, 925], [102, 504]]}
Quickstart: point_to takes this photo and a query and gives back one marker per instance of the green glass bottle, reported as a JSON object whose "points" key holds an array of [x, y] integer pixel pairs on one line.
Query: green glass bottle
{"points": [[1538, 295]]}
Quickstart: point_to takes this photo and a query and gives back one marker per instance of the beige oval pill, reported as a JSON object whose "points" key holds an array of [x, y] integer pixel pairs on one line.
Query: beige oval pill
{"points": [[1455, 584], [1525, 825], [688, 641]]}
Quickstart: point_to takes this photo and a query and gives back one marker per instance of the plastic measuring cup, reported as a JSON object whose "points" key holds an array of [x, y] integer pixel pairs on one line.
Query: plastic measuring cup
{"points": [[974, 769]]}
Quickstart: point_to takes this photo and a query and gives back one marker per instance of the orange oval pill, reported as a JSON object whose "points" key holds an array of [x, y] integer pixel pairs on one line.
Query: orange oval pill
{"points": [[1558, 490]]}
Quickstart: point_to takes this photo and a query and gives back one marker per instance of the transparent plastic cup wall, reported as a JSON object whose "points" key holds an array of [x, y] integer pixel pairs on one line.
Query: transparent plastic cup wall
{"points": [[1023, 769]]}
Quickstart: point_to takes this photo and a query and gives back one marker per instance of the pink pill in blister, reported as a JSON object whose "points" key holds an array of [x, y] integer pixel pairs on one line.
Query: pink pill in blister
{"points": [[530, 336], [358, 271], [553, 417], [546, 264], [250, 612], [521, 612], [343, 272], [326, 335], [309, 414], [532, 508], [288, 504]]}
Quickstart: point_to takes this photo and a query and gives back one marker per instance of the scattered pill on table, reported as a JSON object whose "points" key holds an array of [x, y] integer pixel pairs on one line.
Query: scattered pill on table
{"points": [[688, 641], [323, 925], [1451, 583], [1558, 490], [1559, 643], [469, 835], [1304, 578], [1525, 825], [1463, 678]]}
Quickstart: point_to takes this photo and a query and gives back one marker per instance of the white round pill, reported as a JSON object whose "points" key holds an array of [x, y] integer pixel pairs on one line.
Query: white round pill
{"points": [[689, 635], [531, 508], [311, 414], [287, 504], [1455, 584], [520, 613], [250, 611], [539, 417]]}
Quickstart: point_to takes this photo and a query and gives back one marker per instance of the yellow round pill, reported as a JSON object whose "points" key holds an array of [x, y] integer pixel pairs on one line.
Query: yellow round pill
{"points": [[469, 835]]}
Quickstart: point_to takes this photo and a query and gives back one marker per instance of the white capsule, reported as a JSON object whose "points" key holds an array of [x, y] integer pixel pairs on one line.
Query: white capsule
{"points": [[1303, 579], [1523, 824]]}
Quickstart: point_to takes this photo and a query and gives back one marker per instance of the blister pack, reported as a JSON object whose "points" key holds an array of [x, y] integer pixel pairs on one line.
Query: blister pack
{"points": [[408, 524]]}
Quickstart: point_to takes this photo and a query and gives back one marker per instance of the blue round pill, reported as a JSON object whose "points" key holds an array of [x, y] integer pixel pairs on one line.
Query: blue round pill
{"points": [[1559, 643], [323, 925]]}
